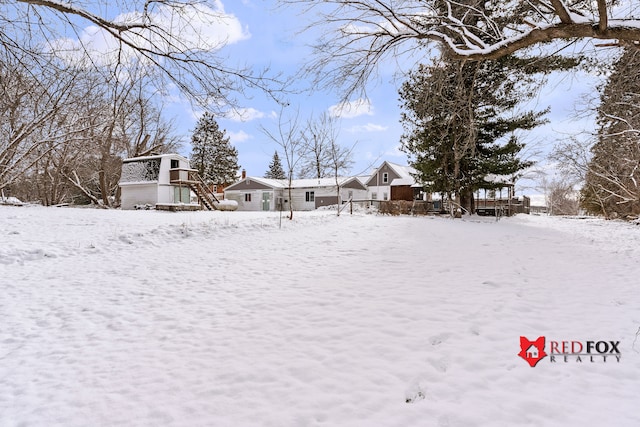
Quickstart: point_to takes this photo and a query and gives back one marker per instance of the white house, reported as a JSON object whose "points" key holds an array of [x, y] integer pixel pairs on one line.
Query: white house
{"points": [[165, 181], [255, 193]]}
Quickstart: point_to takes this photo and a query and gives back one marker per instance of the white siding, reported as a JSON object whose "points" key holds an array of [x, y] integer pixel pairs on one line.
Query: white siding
{"points": [[239, 196], [138, 194], [380, 191], [298, 198]]}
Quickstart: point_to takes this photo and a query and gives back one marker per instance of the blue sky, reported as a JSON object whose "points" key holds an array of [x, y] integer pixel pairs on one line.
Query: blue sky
{"points": [[274, 41], [259, 34], [273, 38]]}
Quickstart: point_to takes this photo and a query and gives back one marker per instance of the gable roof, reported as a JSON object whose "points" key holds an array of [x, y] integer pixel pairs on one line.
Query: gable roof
{"points": [[320, 182], [403, 174], [262, 183], [155, 156]]}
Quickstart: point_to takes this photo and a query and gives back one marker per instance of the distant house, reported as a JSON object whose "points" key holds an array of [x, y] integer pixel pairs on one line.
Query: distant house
{"points": [[391, 181], [256, 194], [164, 182], [263, 194]]}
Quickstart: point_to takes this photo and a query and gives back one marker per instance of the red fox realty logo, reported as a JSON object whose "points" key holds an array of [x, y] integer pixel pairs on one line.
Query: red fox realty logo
{"points": [[569, 351], [532, 351]]}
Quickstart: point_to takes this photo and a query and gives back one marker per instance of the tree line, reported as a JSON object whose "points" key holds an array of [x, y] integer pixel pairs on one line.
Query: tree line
{"points": [[66, 125]]}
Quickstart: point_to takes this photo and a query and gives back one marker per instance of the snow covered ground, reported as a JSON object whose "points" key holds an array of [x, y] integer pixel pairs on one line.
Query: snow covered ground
{"points": [[144, 318]]}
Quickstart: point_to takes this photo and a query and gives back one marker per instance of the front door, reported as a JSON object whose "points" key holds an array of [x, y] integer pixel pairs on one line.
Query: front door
{"points": [[265, 201]]}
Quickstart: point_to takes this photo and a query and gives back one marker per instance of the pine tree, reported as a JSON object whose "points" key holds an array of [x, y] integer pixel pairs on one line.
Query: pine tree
{"points": [[456, 126], [275, 168], [212, 153], [459, 120]]}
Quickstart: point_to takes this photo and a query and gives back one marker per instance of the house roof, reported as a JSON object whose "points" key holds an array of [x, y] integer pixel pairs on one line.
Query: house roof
{"points": [[296, 183], [404, 173], [499, 179], [157, 156], [322, 182], [271, 183]]}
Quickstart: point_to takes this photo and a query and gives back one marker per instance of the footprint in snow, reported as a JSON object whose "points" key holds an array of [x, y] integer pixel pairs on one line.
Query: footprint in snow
{"points": [[414, 394]]}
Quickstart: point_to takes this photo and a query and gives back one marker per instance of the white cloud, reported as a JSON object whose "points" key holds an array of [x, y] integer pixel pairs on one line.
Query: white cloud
{"points": [[238, 137], [244, 114], [369, 127], [197, 27], [351, 109]]}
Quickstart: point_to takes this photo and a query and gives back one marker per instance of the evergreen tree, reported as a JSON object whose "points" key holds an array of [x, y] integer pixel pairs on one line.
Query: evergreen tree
{"points": [[275, 168], [456, 124], [212, 153]]}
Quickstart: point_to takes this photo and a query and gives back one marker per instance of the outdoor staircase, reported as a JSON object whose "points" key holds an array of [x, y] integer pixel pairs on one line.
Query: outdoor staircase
{"points": [[191, 179], [206, 196]]}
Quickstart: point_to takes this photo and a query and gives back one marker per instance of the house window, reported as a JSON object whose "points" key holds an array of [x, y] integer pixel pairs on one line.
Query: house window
{"points": [[350, 194], [247, 197], [374, 196], [385, 196], [175, 164], [309, 196], [385, 178]]}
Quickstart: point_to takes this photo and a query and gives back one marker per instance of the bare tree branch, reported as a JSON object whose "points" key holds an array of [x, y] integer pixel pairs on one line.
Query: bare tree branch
{"points": [[358, 35], [169, 35]]}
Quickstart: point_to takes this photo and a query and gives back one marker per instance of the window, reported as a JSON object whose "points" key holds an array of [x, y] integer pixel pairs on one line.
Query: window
{"points": [[309, 196], [374, 196], [385, 196], [175, 164], [350, 194], [385, 177], [247, 197]]}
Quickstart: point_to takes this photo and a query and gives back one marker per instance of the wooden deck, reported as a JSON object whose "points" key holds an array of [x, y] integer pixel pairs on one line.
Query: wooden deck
{"points": [[177, 207]]}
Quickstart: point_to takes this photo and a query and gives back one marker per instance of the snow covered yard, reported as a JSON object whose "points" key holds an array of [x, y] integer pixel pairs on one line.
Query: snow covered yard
{"points": [[143, 318]]}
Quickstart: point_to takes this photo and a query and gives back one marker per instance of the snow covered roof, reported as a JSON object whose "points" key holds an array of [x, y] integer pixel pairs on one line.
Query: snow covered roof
{"points": [[157, 156], [499, 179], [403, 181], [405, 174], [322, 182], [404, 171], [296, 183]]}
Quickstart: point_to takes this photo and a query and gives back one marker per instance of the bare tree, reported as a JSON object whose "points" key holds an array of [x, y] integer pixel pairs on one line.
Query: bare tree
{"points": [[321, 150], [169, 35], [322, 156], [359, 34], [288, 135], [561, 197], [572, 158], [32, 98], [612, 181], [341, 160], [66, 133], [121, 122]]}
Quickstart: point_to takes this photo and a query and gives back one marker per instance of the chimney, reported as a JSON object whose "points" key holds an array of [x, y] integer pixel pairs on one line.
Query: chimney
{"points": [[244, 174]]}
